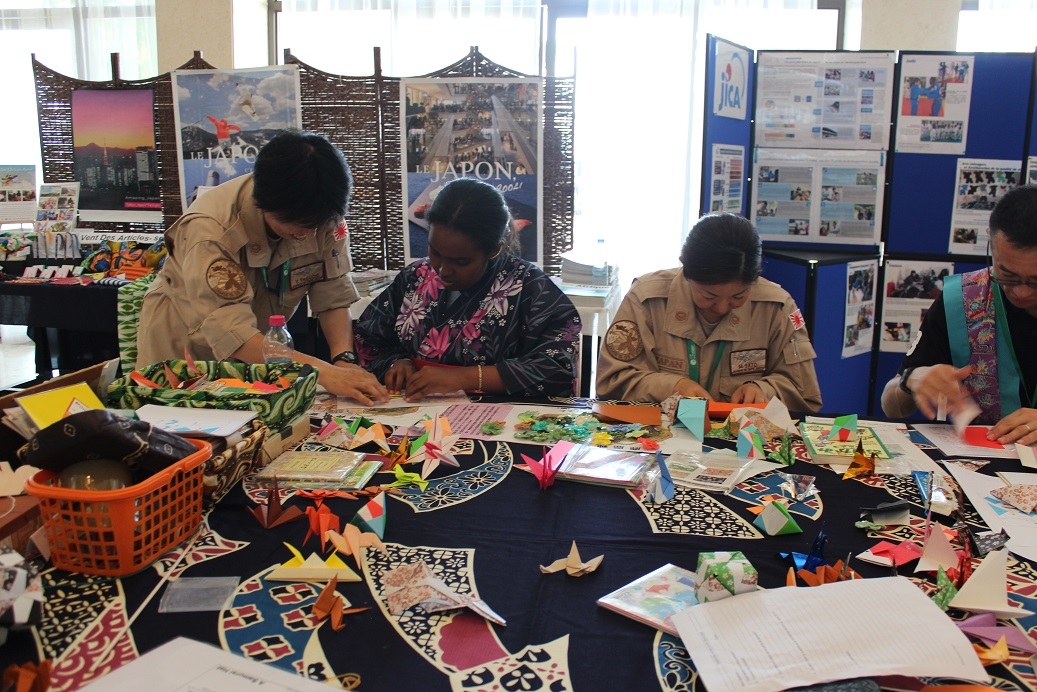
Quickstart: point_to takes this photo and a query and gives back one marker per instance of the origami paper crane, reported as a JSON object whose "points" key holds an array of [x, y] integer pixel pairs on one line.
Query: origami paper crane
{"points": [[433, 448], [692, 413], [985, 628], [416, 585], [844, 429], [937, 551], [28, 677], [547, 467], [862, 464], [371, 516], [896, 553], [827, 574], [273, 513], [319, 495], [332, 605], [352, 539], [993, 655], [814, 558], [945, 590], [775, 520], [400, 456], [404, 478], [573, 565], [313, 568], [750, 442], [662, 487], [321, 520], [783, 454]]}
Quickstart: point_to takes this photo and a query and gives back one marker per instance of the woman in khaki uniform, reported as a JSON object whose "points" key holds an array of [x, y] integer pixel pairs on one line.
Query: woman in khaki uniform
{"points": [[253, 247], [712, 328]]}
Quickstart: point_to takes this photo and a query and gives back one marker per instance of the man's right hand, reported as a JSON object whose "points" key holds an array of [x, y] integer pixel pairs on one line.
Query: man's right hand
{"points": [[931, 384], [689, 388], [353, 382]]}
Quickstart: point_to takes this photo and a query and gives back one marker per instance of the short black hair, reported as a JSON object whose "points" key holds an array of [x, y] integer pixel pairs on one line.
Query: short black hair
{"points": [[302, 178], [473, 208], [1015, 215], [721, 248]]}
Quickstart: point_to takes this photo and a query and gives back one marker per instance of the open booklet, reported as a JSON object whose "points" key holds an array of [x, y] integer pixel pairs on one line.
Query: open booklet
{"points": [[655, 597]]}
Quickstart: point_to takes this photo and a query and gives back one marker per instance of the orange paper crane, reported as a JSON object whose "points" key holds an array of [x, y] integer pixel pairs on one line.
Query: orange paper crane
{"points": [[352, 539], [321, 521], [331, 605]]}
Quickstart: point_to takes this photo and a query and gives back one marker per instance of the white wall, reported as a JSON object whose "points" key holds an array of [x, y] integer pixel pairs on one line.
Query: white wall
{"points": [[185, 26], [910, 24]]}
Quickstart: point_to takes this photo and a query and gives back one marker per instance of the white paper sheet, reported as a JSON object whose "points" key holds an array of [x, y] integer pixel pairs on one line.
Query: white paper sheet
{"points": [[184, 665], [947, 440], [1021, 527], [788, 637]]}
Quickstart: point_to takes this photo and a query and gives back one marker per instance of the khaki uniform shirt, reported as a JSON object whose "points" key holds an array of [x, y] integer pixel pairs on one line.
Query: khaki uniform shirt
{"points": [[645, 352], [211, 295]]}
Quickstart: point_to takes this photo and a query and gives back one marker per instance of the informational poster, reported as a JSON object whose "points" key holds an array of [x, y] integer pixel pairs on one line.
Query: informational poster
{"points": [[911, 288], [475, 127], [17, 194], [224, 117], [57, 208], [817, 196], [1031, 170], [934, 97], [978, 185], [727, 182], [732, 66], [827, 100], [860, 307], [113, 155]]}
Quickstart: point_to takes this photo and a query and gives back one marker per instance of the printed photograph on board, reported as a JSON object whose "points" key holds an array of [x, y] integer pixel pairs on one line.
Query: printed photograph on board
{"points": [[489, 129], [224, 117], [113, 155]]}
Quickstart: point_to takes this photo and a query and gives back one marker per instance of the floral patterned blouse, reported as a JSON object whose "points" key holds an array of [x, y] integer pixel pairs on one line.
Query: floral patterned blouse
{"points": [[515, 317]]}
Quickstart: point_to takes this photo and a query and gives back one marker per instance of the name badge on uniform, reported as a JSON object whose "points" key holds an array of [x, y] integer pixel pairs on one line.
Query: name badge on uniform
{"points": [[304, 276], [748, 362]]}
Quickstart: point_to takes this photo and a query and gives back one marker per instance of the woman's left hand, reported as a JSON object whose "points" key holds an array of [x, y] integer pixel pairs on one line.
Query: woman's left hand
{"points": [[749, 393], [430, 380], [1019, 426]]}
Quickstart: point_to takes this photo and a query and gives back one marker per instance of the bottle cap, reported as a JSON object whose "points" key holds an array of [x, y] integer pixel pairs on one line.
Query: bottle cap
{"points": [[276, 320]]}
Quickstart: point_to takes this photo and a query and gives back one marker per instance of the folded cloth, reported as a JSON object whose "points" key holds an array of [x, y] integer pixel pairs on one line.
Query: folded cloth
{"points": [[104, 434]]}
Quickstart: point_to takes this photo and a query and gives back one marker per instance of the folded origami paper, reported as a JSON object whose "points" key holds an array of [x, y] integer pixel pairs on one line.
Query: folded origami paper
{"points": [[321, 521], [371, 516], [416, 585], [750, 442], [723, 574], [313, 568], [332, 605], [986, 590], [844, 429], [573, 564], [546, 468], [662, 487], [352, 539], [775, 520], [273, 513]]}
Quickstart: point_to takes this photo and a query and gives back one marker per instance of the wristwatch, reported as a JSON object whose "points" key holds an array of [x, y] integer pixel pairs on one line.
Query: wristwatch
{"points": [[347, 356], [903, 380]]}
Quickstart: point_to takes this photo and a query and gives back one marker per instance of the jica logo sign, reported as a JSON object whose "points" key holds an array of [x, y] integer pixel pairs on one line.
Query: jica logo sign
{"points": [[730, 98]]}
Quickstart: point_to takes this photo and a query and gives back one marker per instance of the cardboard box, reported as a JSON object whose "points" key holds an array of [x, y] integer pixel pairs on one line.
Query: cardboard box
{"points": [[723, 574], [97, 376], [279, 441], [23, 520]]}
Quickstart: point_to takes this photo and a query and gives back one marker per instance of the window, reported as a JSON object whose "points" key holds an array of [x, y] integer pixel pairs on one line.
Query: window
{"points": [[74, 38], [997, 26]]}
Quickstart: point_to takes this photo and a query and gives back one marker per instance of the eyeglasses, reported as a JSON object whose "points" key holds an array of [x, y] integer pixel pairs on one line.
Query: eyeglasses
{"points": [[1012, 283], [1006, 283]]}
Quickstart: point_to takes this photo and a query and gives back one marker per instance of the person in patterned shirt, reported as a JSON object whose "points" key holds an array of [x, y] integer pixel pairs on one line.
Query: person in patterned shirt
{"points": [[471, 315]]}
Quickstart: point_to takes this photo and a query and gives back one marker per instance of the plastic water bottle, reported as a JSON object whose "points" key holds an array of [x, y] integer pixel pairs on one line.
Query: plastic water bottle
{"points": [[278, 347]]}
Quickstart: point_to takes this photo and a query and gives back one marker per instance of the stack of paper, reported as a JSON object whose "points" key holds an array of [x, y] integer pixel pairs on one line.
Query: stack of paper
{"points": [[37, 411]]}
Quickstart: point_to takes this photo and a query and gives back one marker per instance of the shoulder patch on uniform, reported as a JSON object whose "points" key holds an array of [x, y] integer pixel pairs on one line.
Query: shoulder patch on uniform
{"points": [[796, 318], [623, 340], [226, 279]]}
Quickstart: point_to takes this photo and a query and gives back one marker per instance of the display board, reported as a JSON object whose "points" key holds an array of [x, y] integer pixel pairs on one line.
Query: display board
{"points": [[726, 126], [925, 188]]}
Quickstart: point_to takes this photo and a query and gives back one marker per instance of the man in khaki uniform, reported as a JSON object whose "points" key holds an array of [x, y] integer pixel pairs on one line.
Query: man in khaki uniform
{"points": [[232, 264], [725, 334]]}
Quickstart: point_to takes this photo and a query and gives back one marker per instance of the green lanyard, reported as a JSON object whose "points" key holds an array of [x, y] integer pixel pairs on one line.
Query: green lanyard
{"points": [[693, 363], [1002, 323], [286, 269]]}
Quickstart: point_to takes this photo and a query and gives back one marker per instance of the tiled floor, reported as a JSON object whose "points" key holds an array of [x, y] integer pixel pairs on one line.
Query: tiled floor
{"points": [[17, 357]]}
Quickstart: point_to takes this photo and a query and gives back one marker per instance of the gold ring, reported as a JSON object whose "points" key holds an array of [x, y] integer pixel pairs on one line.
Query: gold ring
{"points": [[1028, 429]]}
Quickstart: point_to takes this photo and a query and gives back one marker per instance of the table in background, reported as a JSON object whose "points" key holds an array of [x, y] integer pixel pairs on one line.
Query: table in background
{"points": [[494, 542], [78, 324], [597, 306]]}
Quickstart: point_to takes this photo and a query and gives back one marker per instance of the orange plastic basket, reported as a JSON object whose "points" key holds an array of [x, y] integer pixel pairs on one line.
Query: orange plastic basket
{"points": [[118, 532]]}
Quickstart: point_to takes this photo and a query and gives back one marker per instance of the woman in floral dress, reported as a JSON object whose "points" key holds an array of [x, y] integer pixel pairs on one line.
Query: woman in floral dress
{"points": [[471, 315]]}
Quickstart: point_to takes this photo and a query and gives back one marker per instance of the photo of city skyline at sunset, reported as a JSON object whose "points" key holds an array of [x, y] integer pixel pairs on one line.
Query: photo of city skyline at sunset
{"points": [[113, 139]]}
